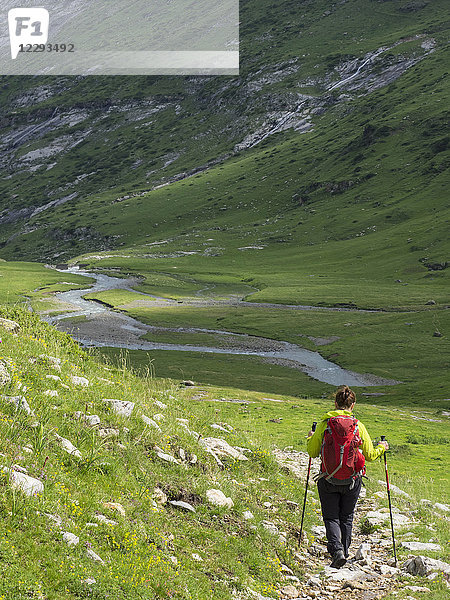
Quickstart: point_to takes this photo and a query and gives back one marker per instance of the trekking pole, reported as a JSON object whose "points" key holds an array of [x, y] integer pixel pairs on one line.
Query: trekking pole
{"points": [[314, 425], [383, 438]]}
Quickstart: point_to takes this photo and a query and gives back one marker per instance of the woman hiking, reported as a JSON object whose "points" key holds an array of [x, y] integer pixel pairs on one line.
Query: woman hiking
{"points": [[343, 444]]}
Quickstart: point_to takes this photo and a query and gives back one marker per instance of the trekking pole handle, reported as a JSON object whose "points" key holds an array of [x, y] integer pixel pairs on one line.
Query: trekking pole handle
{"points": [[383, 438], [314, 425]]}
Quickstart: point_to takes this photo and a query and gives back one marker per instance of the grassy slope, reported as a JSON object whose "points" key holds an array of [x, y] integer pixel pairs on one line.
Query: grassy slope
{"points": [[35, 561], [34, 281]]}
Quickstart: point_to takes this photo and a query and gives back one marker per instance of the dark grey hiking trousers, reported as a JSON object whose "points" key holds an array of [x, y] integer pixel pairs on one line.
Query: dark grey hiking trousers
{"points": [[338, 504]]}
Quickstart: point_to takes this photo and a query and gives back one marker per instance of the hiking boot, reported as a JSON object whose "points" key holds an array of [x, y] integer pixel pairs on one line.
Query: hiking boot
{"points": [[339, 559]]}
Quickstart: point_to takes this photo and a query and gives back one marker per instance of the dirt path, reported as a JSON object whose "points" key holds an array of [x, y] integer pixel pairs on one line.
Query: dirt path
{"points": [[369, 579]]}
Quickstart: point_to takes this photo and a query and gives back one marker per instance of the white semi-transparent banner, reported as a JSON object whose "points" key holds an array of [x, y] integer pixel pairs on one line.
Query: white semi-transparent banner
{"points": [[119, 37]]}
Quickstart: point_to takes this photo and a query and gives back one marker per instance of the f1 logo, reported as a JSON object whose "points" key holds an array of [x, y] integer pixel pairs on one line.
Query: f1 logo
{"points": [[27, 26]]}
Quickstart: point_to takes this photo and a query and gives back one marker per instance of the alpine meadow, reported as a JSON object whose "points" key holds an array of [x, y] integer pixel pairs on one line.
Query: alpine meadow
{"points": [[190, 266]]}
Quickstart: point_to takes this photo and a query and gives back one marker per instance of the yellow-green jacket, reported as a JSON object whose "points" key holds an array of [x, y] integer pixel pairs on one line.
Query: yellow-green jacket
{"points": [[314, 442]]}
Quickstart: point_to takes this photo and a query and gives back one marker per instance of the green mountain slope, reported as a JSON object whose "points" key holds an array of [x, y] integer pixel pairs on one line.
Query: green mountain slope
{"points": [[73, 146]]}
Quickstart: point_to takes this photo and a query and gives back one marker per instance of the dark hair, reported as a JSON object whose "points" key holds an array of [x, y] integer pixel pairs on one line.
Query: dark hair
{"points": [[345, 397]]}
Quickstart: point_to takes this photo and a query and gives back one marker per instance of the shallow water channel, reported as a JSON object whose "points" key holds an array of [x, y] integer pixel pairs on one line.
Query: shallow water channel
{"points": [[104, 327]]}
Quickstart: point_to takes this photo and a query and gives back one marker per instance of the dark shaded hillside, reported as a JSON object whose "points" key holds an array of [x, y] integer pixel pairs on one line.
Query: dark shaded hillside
{"points": [[66, 140]]}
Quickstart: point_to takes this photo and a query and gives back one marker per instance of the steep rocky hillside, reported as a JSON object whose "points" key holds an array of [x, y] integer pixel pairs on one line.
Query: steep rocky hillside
{"points": [[305, 66]]}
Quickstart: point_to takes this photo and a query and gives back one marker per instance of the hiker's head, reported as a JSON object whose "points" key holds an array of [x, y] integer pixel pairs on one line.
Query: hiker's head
{"points": [[345, 398]]}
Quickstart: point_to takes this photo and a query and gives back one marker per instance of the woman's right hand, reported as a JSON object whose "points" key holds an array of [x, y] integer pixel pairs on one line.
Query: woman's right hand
{"points": [[385, 444]]}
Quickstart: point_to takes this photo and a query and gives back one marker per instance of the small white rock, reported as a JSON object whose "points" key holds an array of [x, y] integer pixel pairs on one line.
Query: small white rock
{"points": [[81, 381], [160, 404], [421, 546], [94, 556], [218, 498], [151, 423], [105, 520], [247, 515], [363, 552], [123, 408], [71, 539], [68, 446], [443, 507]]}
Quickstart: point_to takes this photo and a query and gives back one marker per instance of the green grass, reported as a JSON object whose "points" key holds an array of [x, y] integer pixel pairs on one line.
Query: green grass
{"points": [[31, 280], [125, 469]]}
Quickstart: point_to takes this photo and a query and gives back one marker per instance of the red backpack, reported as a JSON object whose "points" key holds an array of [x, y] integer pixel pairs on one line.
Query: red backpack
{"points": [[341, 457]]}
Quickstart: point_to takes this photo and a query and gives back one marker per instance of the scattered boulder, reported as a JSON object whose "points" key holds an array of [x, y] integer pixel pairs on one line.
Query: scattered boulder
{"points": [[344, 574], [9, 326], [380, 495], [55, 362], [423, 566], [94, 556], [81, 381], [218, 498], [364, 552], [388, 571], [270, 527], [160, 404], [221, 448], [288, 591], [108, 432], [158, 417], [382, 516], [90, 420], [187, 383], [166, 457], [71, 539], [51, 393], [183, 505], [437, 334], [20, 403], [247, 515], [159, 496], [115, 506], [105, 520], [443, 507], [28, 485], [395, 489], [421, 546], [430, 303], [122, 408], [151, 423], [197, 557], [319, 530], [5, 377], [219, 427], [417, 588], [68, 446], [54, 518], [53, 377]]}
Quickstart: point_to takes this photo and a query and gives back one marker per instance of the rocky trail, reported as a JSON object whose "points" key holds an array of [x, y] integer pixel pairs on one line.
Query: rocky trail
{"points": [[370, 573]]}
